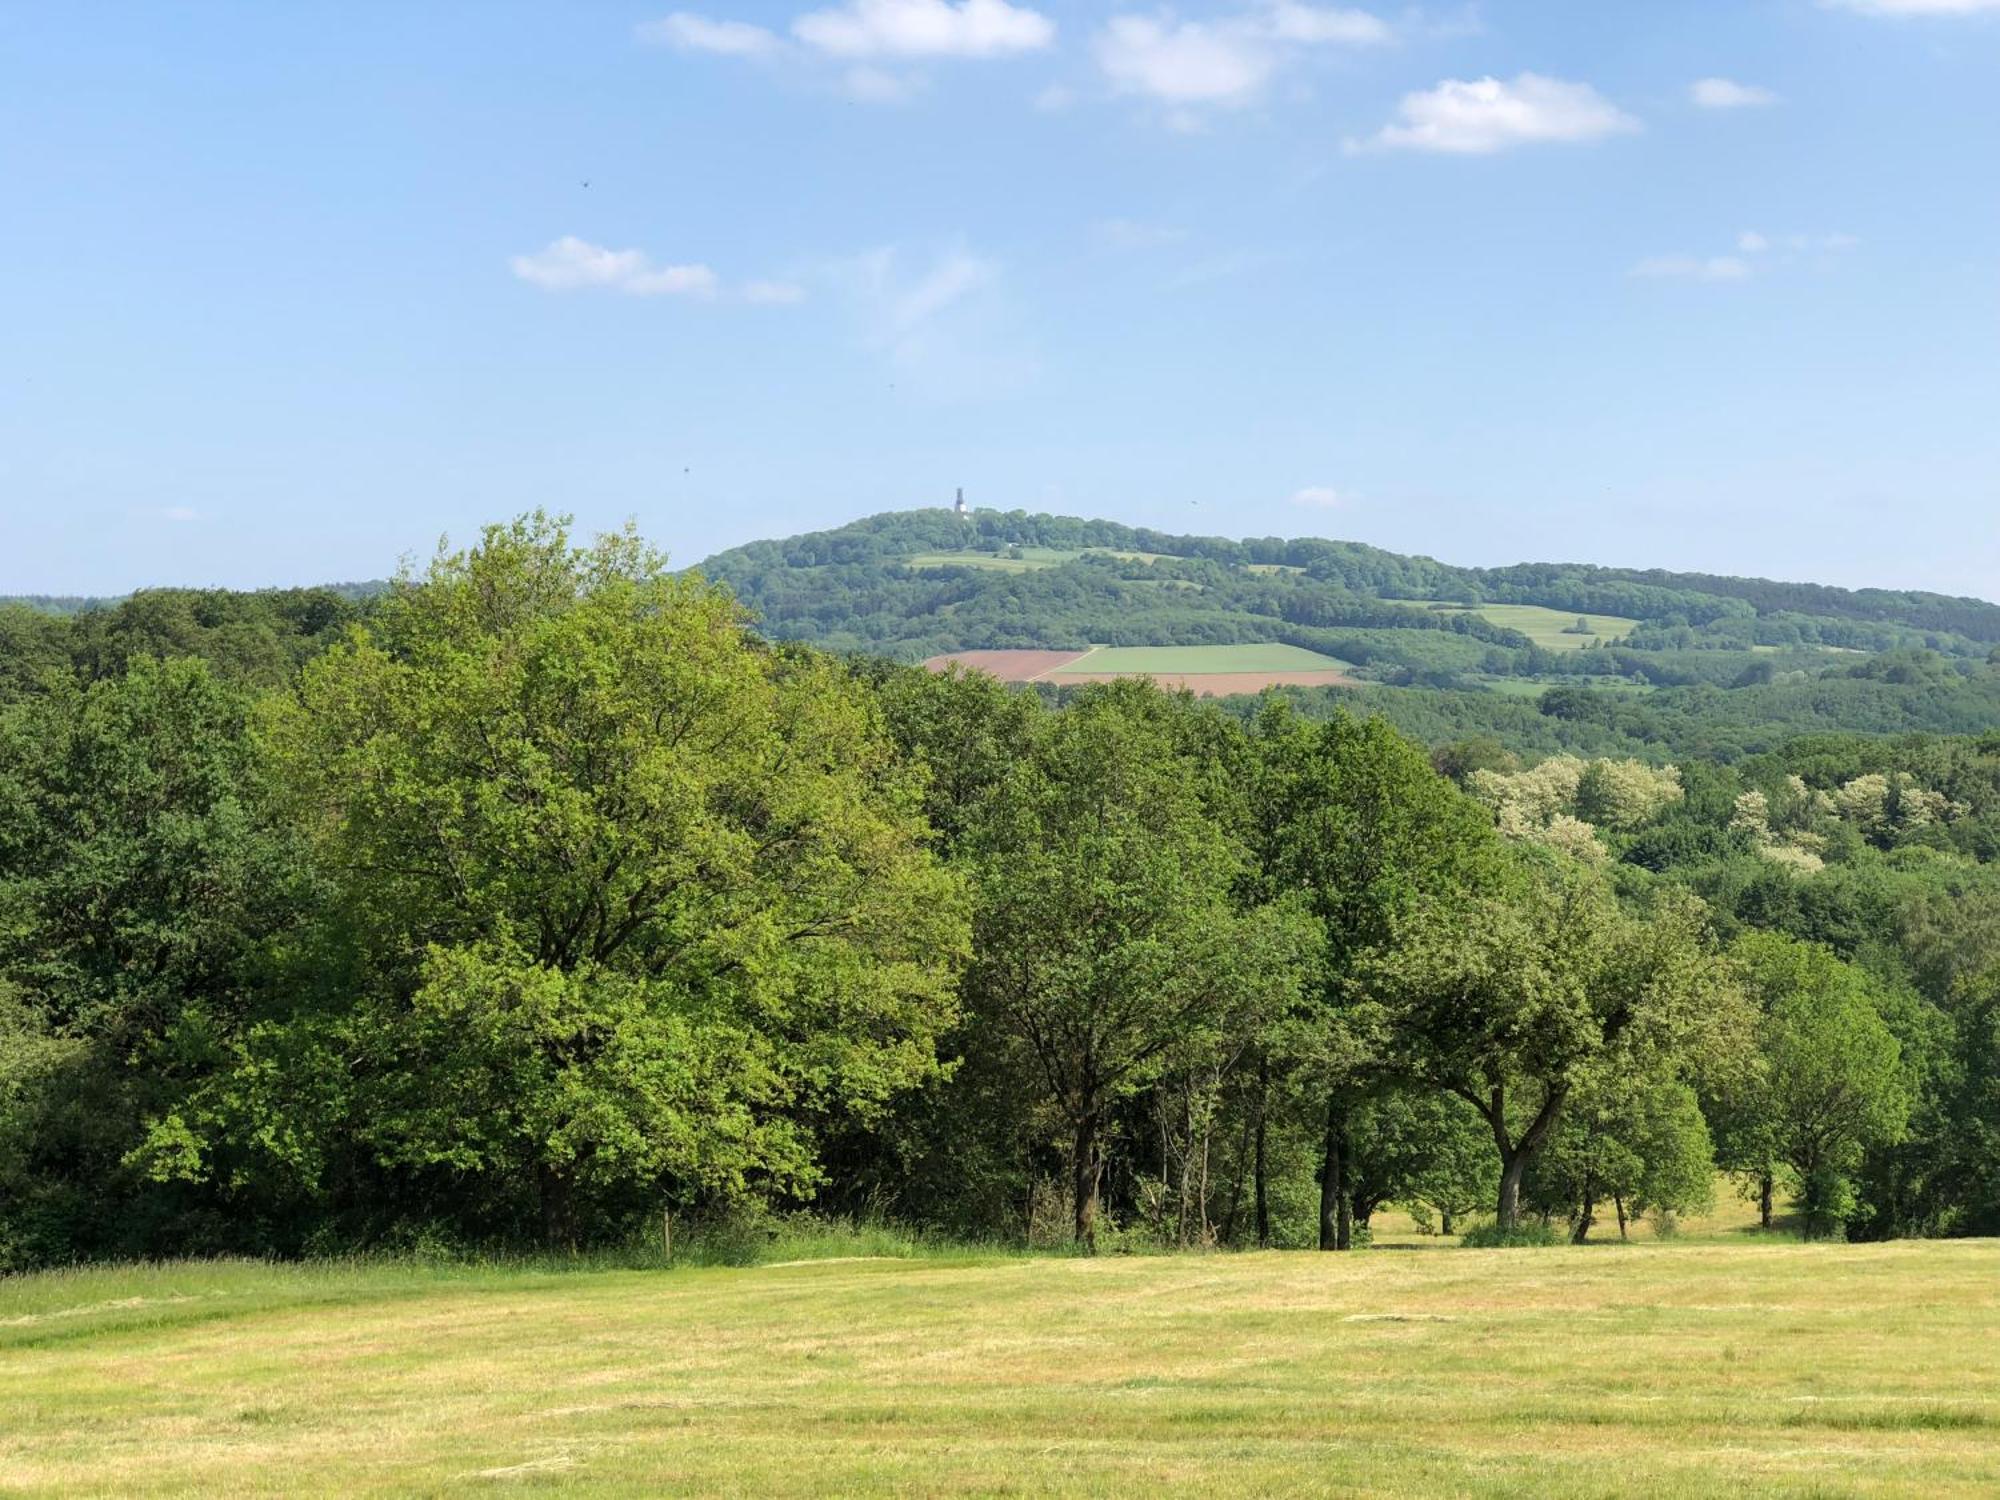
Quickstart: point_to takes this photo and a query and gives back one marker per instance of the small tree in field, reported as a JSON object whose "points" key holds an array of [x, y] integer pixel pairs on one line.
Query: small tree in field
{"points": [[1514, 1004]]}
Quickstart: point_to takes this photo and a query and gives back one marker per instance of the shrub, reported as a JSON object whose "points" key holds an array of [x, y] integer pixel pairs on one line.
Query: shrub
{"points": [[1528, 1234]]}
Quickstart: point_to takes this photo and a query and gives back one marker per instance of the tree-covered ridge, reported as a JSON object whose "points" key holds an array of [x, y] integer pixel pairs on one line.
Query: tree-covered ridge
{"points": [[911, 584]]}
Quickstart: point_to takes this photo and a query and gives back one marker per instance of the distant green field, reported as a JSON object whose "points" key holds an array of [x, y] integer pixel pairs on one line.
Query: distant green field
{"points": [[1545, 627], [1664, 1369], [1534, 687], [1181, 660], [1030, 558]]}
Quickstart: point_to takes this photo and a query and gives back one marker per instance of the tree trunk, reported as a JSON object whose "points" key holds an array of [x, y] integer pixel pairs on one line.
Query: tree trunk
{"points": [[1764, 1201], [555, 1189], [1085, 1169], [1445, 1221], [1329, 1179], [1513, 1166], [1618, 1202], [1585, 1217], [1515, 1155], [1262, 1168], [1343, 1230]]}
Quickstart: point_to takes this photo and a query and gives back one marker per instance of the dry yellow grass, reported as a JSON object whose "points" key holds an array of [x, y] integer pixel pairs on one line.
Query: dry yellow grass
{"points": [[1678, 1369]]}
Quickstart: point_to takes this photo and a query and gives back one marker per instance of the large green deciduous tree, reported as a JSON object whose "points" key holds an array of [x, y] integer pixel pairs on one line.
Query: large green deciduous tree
{"points": [[1107, 928], [137, 888], [1830, 1081], [623, 902], [1351, 818]]}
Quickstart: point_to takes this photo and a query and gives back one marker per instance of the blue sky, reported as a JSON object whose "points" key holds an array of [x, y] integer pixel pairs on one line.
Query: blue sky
{"points": [[287, 291]]}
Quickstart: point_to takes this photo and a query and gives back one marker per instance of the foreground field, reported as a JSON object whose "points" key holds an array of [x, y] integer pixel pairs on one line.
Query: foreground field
{"points": [[1663, 1370]]}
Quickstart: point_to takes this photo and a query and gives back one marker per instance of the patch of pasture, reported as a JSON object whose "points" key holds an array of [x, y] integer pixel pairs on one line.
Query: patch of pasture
{"points": [[1552, 629]]}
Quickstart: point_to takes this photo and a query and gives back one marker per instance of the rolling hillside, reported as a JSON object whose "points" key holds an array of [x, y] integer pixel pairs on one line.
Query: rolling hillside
{"points": [[923, 584]]}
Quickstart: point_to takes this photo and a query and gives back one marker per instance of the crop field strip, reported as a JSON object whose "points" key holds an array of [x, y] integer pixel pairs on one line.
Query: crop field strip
{"points": [[1548, 628]]}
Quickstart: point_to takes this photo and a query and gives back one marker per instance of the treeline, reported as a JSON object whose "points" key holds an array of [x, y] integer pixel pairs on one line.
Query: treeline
{"points": [[545, 897]]}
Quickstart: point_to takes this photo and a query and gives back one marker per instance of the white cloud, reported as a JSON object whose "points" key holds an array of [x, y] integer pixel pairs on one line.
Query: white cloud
{"points": [[1054, 99], [1723, 93], [1481, 116], [1321, 497], [1915, 7], [1288, 21], [179, 514], [925, 28], [1183, 62], [1693, 268], [1225, 63], [692, 33], [1750, 242], [571, 264], [773, 293]]}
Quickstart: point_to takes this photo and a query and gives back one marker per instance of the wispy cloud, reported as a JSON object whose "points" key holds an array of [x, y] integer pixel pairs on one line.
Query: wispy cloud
{"points": [[1756, 252], [1321, 497], [1754, 242], [871, 85], [1478, 117], [692, 33], [1225, 267], [1914, 7], [940, 320], [179, 515], [1124, 235], [1724, 93], [570, 264], [1692, 268]]}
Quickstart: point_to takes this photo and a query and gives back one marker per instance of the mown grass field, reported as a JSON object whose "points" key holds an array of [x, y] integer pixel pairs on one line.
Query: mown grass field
{"points": [[1547, 628], [1194, 660], [1671, 1369]]}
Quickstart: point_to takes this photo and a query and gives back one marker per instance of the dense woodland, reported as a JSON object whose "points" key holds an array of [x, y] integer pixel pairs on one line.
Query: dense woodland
{"points": [[545, 893]]}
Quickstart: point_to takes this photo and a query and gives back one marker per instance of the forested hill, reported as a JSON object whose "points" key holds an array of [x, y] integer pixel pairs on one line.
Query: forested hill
{"points": [[911, 584]]}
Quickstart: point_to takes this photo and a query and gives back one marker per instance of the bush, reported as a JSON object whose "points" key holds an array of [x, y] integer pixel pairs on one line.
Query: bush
{"points": [[1528, 1234]]}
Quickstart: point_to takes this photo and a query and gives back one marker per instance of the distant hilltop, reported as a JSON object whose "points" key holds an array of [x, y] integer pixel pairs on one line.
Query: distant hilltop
{"points": [[1088, 597]]}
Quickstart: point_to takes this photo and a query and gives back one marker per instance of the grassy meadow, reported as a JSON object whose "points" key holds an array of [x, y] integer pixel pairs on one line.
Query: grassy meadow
{"points": [[1692, 1367]]}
